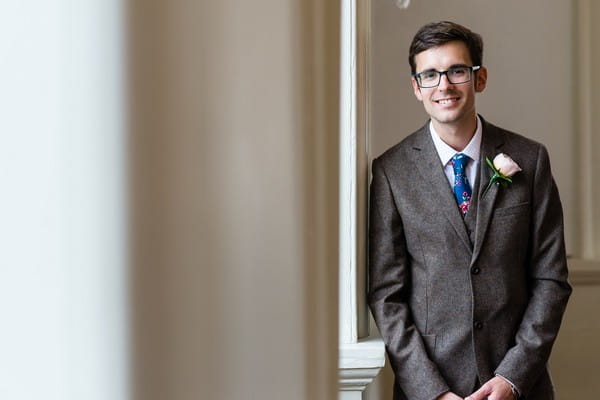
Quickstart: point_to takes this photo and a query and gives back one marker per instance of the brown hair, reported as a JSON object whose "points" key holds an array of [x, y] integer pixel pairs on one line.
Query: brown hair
{"points": [[436, 34]]}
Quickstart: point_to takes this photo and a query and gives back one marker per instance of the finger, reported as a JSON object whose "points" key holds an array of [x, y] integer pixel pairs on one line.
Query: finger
{"points": [[481, 394]]}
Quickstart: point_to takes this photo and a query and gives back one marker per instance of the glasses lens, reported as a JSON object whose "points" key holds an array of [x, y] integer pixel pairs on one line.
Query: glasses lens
{"points": [[428, 78], [459, 74]]}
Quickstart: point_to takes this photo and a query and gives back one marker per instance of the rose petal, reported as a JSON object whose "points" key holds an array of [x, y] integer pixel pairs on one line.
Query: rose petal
{"points": [[506, 165]]}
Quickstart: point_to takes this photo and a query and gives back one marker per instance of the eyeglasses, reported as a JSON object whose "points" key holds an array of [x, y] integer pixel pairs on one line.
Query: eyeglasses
{"points": [[432, 78]]}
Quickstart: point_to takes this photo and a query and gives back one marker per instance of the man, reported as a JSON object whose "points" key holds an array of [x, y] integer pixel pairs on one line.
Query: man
{"points": [[467, 266]]}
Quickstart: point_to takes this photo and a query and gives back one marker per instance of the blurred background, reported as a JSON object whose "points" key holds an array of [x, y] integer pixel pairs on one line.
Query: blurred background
{"points": [[169, 199], [170, 173]]}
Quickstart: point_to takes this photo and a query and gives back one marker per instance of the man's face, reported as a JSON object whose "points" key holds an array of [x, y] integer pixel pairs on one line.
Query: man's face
{"points": [[449, 104]]}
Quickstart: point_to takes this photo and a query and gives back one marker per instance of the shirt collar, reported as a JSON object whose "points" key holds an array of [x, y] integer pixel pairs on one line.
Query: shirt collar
{"points": [[445, 152]]}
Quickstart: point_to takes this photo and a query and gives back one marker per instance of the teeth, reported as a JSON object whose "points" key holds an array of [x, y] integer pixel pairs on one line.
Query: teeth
{"points": [[446, 101]]}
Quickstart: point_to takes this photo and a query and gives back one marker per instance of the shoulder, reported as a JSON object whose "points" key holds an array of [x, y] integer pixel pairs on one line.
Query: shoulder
{"points": [[522, 149], [511, 138]]}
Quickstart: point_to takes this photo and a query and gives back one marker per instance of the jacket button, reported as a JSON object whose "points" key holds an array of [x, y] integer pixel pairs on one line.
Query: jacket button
{"points": [[478, 325], [475, 270]]}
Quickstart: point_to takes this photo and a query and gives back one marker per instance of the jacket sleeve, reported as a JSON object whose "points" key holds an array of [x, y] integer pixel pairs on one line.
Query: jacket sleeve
{"points": [[389, 287], [549, 289]]}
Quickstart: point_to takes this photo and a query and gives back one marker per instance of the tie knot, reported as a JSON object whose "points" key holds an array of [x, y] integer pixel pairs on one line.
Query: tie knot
{"points": [[459, 162]]}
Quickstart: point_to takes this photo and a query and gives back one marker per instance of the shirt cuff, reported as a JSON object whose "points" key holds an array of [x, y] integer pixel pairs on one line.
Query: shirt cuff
{"points": [[513, 388]]}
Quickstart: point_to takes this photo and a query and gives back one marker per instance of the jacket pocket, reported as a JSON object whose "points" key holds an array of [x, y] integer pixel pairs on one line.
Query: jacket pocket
{"points": [[512, 210], [430, 341]]}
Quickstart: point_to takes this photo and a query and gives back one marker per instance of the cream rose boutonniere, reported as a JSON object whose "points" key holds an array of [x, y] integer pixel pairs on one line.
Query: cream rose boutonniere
{"points": [[504, 168]]}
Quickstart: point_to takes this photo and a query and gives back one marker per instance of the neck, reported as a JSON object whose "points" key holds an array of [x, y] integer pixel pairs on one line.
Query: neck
{"points": [[457, 135]]}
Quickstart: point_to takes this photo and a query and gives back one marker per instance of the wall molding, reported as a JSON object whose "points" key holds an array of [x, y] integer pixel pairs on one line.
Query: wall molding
{"points": [[360, 363], [587, 100], [360, 357], [349, 224], [584, 272]]}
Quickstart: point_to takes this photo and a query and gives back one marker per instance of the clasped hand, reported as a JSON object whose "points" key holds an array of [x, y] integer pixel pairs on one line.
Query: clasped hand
{"points": [[494, 389]]}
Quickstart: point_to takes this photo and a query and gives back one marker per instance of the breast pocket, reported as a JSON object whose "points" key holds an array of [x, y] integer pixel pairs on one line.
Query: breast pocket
{"points": [[509, 232], [521, 208]]}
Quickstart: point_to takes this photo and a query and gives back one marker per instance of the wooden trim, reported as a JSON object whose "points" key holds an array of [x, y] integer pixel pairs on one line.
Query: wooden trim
{"points": [[360, 360], [587, 100], [348, 315]]}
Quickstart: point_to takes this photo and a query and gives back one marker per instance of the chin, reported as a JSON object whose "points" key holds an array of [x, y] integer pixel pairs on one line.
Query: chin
{"points": [[447, 119]]}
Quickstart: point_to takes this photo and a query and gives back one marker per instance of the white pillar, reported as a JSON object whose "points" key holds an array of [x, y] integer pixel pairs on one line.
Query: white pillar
{"points": [[63, 295], [360, 357]]}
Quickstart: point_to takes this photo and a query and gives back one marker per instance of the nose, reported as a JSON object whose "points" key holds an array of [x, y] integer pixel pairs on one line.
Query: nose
{"points": [[444, 82]]}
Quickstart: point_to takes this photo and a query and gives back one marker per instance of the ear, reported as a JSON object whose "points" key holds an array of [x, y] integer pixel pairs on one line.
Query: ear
{"points": [[416, 89], [481, 80]]}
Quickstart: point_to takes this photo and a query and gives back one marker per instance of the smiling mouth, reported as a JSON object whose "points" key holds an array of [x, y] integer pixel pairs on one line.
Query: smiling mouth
{"points": [[449, 100]]}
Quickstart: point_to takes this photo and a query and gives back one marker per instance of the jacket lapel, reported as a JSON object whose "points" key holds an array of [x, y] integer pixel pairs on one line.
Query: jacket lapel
{"points": [[428, 163], [491, 143]]}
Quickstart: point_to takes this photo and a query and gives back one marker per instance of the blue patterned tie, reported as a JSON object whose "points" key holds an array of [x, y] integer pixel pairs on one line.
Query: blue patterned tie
{"points": [[462, 189]]}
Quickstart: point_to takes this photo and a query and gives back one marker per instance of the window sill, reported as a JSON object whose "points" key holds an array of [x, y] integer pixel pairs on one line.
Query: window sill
{"points": [[360, 363]]}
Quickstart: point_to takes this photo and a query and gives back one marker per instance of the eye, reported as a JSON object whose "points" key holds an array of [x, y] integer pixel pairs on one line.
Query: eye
{"points": [[428, 75], [458, 72]]}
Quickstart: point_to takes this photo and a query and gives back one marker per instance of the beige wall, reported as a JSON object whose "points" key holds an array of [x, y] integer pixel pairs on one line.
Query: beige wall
{"points": [[518, 37], [575, 364]]}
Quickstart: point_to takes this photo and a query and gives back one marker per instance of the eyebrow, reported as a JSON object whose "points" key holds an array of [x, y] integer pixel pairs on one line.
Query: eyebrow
{"points": [[458, 65]]}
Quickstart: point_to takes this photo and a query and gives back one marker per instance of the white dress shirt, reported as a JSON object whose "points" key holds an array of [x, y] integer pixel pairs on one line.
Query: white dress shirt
{"points": [[472, 150]]}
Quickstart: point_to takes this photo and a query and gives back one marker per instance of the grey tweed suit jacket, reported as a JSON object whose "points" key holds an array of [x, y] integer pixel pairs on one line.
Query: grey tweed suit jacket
{"points": [[456, 307]]}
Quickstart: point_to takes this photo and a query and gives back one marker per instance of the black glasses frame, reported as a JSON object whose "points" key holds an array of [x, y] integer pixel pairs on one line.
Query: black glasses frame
{"points": [[417, 76]]}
